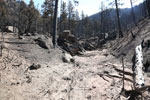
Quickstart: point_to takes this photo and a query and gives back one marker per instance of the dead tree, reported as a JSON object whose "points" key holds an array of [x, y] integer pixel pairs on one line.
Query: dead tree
{"points": [[133, 14], [54, 40], [148, 7], [118, 18], [19, 19], [137, 67]]}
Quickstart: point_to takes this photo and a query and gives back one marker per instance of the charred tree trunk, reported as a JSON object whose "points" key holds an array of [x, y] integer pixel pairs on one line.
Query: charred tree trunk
{"points": [[137, 67], [28, 29], [51, 27], [55, 24], [133, 14], [145, 8], [43, 27], [118, 19], [19, 27], [69, 25], [148, 6]]}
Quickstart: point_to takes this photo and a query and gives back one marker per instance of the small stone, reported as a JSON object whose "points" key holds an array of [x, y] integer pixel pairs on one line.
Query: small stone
{"points": [[34, 67], [12, 83], [67, 58], [93, 87], [65, 90], [66, 78], [29, 80], [89, 97], [18, 82]]}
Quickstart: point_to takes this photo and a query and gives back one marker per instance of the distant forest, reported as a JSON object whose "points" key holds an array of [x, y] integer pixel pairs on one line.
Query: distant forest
{"points": [[28, 19]]}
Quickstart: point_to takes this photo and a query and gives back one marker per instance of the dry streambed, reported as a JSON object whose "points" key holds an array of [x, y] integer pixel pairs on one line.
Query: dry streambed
{"points": [[97, 75]]}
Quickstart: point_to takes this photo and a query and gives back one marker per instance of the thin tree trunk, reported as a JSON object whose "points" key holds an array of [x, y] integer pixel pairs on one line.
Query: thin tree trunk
{"points": [[55, 24], [51, 27], [145, 8], [119, 25], [69, 22], [36, 23], [133, 14], [148, 7], [43, 24], [19, 20]]}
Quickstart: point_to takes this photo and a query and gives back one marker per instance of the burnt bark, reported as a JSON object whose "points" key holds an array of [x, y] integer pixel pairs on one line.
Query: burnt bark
{"points": [[118, 19], [148, 7], [54, 40]]}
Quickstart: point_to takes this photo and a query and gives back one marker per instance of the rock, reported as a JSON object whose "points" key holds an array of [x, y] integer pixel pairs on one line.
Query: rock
{"points": [[34, 34], [29, 79], [41, 43], [71, 38], [65, 34], [67, 58], [28, 34], [34, 67], [17, 83], [66, 78], [89, 97], [90, 43], [11, 29], [69, 43], [106, 54], [44, 42], [88, 46], [93, 87]]}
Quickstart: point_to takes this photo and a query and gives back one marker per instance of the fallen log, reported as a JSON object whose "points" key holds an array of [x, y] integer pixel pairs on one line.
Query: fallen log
{"points": [[138, 67]]}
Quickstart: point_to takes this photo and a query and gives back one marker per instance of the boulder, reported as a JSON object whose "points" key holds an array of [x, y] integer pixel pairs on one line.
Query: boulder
{"points": [[44, 42], [69, 43], [41, 43], [90, 43], [67, 58], [88, 46], [65, 34], [71, 38], [28, 34], [11, 29]]}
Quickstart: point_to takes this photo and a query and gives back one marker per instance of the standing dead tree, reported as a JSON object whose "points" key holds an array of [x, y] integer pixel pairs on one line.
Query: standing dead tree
{"points": [[55, 24], [118, 18], [2, 43], [148, 7], [3, 13], [116, 3], [133, 14]]}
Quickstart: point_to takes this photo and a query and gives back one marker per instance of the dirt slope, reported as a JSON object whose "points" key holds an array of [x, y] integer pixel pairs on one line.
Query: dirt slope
{"points": [[126, 45]]}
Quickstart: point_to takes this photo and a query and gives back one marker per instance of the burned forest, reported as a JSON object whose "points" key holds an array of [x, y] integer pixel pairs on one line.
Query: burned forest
{"points": [[74, 50]]}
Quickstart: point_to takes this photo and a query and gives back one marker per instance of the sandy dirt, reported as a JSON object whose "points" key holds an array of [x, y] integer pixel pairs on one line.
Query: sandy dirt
{"points": [[97, 75]]}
